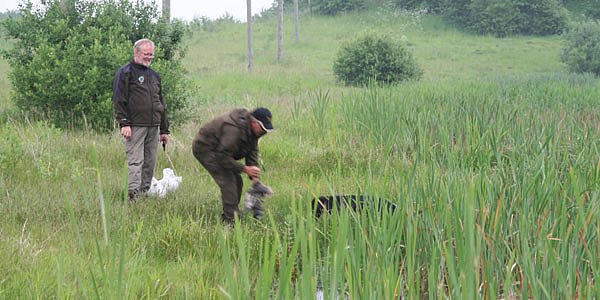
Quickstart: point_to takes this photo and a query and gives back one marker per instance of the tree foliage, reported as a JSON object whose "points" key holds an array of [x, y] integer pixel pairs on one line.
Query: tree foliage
{"points": [[66, 54], [375, 58], [434, 6], [581, 50], [333, 7], [508, 17], [592, 8]]}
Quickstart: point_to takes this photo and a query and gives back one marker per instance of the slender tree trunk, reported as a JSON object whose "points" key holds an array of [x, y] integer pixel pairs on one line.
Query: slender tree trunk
{"points": [[296, 20], [249, 22], [309, 8], [166, 10], [280, 32], [65, 5]]}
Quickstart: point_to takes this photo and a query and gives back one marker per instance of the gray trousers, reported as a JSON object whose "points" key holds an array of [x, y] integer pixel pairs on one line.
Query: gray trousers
{"points": [[141, 151]]}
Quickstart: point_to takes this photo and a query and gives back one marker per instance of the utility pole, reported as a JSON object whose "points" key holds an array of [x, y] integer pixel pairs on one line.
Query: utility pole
{"points": [[296, 20], [249, 22], [65, 5], [166, 10], [280, 32]]}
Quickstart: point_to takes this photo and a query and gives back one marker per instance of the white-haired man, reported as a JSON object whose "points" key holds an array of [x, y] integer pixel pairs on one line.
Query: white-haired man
{"points": [[142, 115]]}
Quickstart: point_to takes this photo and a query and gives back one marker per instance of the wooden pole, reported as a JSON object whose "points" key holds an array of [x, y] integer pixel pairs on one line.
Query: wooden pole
{"points": [[280, 32], [249, 22], [296, 20], [166, 10]]}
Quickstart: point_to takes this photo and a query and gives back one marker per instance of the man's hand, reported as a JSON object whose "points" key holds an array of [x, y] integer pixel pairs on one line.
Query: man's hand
{"points": [[164, 138], [252, 171], [126, 132]]}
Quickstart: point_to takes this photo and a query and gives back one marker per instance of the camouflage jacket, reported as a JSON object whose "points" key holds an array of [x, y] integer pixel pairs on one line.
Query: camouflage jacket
{"points": [[226, 139]]}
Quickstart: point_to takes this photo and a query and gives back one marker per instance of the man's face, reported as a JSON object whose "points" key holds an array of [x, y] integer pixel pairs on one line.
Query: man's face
{"points": [[257, 129], [144, 55]]}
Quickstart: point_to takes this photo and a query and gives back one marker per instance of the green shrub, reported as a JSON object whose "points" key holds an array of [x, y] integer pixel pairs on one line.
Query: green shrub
{"points": [[408, 4], [433, 6], [581, 50], [64, 58], [458, 12], [542, 17], [334, 7], [374, 58], [508, 17], [496, 17], [592, 8]]}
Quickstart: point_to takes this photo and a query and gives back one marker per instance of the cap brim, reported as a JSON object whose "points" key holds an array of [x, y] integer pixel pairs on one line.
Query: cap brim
{"points": [[265, 127]]}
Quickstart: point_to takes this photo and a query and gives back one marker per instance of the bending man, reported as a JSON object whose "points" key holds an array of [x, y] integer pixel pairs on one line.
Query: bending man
{"points": [[226, 139]]}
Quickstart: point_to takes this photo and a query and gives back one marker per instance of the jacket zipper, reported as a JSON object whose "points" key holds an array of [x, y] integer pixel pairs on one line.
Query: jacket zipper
{"points": [[149, 92]]}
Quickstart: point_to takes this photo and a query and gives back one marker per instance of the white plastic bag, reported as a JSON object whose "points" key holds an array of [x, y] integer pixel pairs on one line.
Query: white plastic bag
{"points": [[169, 182]]}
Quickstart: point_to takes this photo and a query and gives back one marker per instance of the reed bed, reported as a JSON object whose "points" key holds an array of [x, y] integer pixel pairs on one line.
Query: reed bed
{"points": [[496, 184]]}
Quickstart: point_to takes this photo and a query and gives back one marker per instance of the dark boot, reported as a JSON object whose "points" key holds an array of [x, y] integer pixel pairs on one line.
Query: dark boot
{"points": [[144, 190], [229, 219], [133, 195]]}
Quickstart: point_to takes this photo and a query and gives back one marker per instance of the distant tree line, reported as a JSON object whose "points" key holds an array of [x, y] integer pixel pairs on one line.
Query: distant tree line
{"points": [[497, 17], [509, 17], [590, 8]]}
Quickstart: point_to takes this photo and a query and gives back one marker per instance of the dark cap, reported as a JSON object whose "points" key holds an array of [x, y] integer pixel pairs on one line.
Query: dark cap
{"points": [[264, 117]]}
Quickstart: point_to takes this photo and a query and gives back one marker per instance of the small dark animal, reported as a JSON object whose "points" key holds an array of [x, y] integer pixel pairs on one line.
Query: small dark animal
{"points": [[354, 202]]}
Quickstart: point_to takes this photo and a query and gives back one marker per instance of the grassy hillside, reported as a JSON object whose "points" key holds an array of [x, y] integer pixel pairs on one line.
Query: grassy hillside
{"points": [[444, 53], [492, 160]]}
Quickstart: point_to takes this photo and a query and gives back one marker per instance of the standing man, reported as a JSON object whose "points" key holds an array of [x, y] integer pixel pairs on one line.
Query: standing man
{"points": [[226, 139], [141, 112]]}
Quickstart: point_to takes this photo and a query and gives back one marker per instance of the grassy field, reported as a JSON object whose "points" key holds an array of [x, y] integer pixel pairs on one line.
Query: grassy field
{"points": [[492, 160]]}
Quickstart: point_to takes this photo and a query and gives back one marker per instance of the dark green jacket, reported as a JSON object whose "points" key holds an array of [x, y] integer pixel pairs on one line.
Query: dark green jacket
{"points": [[226, 139], [138, 99]]}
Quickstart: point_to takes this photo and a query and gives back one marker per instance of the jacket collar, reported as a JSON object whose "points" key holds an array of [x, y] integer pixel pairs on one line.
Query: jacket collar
{"points": [[139, 66]]}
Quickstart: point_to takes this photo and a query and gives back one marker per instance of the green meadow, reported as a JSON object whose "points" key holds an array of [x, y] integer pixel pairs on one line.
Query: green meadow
{"points": [[492, 159]]}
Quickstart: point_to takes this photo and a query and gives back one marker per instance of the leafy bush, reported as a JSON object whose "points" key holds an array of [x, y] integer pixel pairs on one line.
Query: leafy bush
{"points": [[582, 48], [408, 4], [434, 6], [542, 17], [65, 57], [374, 58], [333, 7], [497, 17], [508, 17], [592, 8], [458, 12]]}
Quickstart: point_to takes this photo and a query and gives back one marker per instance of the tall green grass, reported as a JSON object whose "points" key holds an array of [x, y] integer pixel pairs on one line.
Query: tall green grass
{"points": [[492, 161], [496, 186]]}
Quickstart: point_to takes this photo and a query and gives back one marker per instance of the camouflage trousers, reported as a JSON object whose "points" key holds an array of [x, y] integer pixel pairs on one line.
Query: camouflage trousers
{"points": [[229, 182]]}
